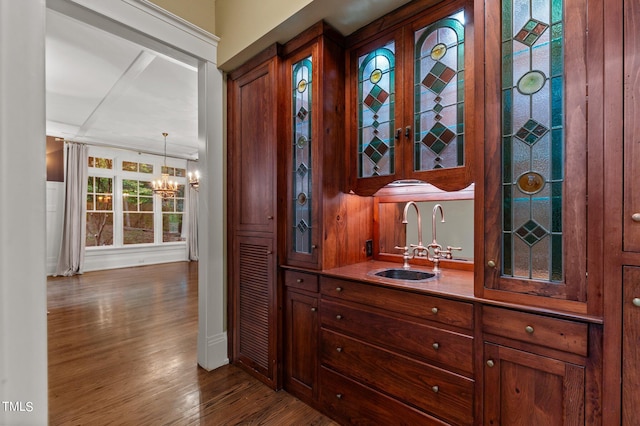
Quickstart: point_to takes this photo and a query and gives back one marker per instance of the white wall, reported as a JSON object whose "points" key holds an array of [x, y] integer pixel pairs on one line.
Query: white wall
{"points": [[23, 297]]}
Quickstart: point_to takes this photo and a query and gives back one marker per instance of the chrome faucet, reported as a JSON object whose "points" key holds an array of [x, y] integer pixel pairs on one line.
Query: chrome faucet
{"points": [[438, 252], [418, 249]]}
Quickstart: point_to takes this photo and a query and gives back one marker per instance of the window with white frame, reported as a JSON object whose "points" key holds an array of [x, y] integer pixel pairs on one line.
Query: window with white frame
{"points": [[122, 209]]}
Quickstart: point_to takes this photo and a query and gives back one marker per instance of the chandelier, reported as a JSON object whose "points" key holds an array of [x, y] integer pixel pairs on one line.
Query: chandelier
{"points": [[163, 186]]}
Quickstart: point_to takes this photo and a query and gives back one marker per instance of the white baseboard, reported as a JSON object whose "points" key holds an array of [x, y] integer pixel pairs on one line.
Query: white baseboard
{"points": [[216, 353]]}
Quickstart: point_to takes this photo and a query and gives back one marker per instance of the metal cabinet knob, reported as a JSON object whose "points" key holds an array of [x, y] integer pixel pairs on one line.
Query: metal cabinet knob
{"points": [[636, 301], [436, 346], [338, 289], [490, 363], [338, 317], [314, 246], [269, 217], [269, 252], [529, 329], [434, 310], [491, 264], [436, 389], [635, 217], [339, 395], [314, 309], [339, 349], [299, 280]]}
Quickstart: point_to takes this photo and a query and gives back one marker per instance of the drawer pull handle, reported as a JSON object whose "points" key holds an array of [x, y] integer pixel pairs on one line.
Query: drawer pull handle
{"points": [[314, 246], [436, 346], [491, 264], [434, 310], [339, 395], [339, 349], [314, 309], [635, 217], [269, 217], [299, 280], [529, 329], [490, 363], [636, 301], [436, 389], [269, 252], [338, 289], [338, 317]]}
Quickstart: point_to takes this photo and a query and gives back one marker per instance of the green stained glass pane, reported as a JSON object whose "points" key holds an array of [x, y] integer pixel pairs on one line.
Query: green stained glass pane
{"points": [[507, 252], [556, 261], [376, 94], [302, 119], [439, 82], [533, 138]]}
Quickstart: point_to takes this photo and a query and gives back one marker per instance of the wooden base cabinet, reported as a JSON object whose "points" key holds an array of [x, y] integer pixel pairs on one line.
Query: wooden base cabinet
{"points": [[536, 369], [631, 345], [301, 336]]}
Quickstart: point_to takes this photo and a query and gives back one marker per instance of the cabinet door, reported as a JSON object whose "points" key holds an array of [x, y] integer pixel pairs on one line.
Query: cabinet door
{"points": [[535, 187], [255, 313], [301, 345], [521, 388], [411, 102], [631, 346], [252, 148], [631, 205]]}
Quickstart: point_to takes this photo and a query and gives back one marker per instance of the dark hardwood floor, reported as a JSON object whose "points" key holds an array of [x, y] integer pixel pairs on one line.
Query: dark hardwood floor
{"points": [[122, 351]]}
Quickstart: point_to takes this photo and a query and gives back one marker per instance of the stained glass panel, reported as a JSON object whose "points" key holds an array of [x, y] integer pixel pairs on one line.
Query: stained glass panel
{"points": [[376, 97], [301, 90], [439, 94], [533, 138]]}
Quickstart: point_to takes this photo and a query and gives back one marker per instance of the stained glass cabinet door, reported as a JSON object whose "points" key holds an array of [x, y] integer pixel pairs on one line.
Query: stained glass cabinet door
{"points": [[535, 159], [413, 102]]}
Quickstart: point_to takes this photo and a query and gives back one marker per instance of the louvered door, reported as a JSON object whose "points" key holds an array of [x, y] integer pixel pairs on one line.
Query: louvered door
{"points": [[257, 306]]}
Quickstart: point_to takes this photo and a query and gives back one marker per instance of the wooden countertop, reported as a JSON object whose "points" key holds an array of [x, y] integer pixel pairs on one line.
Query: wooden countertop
{"points": [[450, 282]]}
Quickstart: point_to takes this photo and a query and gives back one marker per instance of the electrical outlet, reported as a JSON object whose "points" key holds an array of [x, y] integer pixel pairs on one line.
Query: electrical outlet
{"points": [[368, 248]]}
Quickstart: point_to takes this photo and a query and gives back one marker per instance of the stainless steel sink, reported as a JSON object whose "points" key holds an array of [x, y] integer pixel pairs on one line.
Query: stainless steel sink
{"points": [[405, 274]]}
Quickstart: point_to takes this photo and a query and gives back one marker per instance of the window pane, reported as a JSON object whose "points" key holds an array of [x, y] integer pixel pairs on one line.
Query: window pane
{"points": [[104, 185], [130, 187], [137, 228], [99, 229], [145, 188], [171, 227], [103, 163], [90, 204], [146, 168], [129, 166], [146, 204], [103, 202], [168, 205]]}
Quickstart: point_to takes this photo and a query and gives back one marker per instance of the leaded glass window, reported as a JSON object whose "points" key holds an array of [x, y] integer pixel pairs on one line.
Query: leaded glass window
{"points": [[376, 97], [301, 118], [439, 95], [532, 139]]}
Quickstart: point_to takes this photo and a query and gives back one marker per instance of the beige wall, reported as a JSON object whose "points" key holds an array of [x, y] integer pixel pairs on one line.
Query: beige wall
{"points": [[198, 12], [240, 23]]}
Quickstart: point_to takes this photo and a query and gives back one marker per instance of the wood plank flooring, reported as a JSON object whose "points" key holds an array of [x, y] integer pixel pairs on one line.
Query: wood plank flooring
{"points": [[122, 351]]}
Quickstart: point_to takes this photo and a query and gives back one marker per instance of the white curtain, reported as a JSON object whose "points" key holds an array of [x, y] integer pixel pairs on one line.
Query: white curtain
{"points": [[192, 236], [71, 257]]}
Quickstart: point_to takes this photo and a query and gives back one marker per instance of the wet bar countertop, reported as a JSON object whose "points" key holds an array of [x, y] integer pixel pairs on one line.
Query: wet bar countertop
{"points": [[450, 282]]}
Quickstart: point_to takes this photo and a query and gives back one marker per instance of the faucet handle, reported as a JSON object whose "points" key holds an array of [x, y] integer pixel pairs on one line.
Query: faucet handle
{"points": [[405, 248], [448, 254], [449, 248]]}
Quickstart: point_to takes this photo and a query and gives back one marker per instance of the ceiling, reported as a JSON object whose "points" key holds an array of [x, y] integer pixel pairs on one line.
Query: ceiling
{"points": [[105, 90]]}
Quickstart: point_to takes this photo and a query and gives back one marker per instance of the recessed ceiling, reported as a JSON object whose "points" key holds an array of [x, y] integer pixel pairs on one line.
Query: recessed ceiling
{"points": [[104, 90]]}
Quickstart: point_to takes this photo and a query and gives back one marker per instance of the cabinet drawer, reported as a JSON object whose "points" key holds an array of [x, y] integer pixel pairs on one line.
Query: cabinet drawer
{"points": [[459, 314], [443, 394], [301, 280], [450, 349], [565, 335], [352, 403]]}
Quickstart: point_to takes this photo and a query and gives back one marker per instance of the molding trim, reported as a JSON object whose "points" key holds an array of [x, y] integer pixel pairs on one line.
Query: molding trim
{"points": [[124, 257], [216, 352], [173, 19]]}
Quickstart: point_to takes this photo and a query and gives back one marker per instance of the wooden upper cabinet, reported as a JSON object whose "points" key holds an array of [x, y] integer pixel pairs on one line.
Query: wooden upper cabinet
{"points": [[411, 99], [313, 122], [253, 97], [536, 148], [631, 205]]}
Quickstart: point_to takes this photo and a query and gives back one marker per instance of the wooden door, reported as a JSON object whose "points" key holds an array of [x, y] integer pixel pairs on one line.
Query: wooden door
{"points": [[301, 345], [631, 345], [526, 389]]}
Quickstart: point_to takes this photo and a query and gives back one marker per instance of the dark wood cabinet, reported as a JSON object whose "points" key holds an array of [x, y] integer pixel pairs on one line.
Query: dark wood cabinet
{"points": [[411, 98], [523, 388], [379, 338], [630, 345], [301, 335], [252, 217]]}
